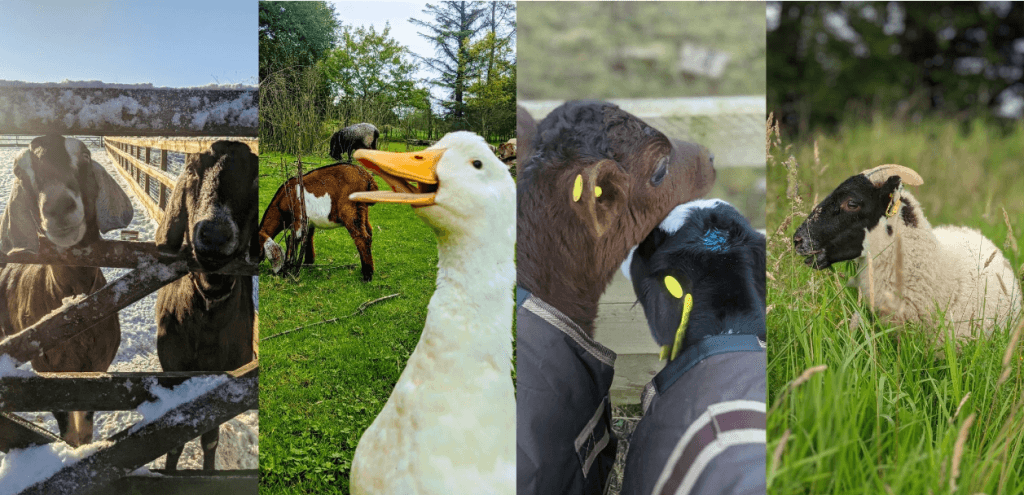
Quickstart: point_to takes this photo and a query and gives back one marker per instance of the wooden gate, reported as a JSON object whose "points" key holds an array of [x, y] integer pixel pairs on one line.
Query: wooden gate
{"points": [[108, 465]]}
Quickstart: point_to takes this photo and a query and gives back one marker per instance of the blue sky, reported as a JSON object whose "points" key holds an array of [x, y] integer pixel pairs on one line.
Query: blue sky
{"points": [[167, 43]]}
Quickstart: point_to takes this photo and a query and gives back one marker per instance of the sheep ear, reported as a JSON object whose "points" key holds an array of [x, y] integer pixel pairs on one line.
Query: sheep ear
{"points": [[598, 195], [113, 207], [171, 234], [19, 225], [881, 173]]}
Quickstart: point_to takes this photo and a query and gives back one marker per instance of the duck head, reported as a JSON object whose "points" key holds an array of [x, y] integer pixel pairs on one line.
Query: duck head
{"points": [[457, 185]]}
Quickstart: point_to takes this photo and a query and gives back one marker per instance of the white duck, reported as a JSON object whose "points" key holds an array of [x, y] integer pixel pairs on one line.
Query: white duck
{"points": [[449, 425]]}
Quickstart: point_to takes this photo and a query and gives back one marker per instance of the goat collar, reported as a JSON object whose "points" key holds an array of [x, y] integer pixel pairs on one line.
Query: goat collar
{"points": [[213, 298], [895, 200], [705, 348]]}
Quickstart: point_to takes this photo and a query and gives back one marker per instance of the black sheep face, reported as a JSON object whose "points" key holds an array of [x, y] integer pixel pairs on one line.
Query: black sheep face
{"points": [[835, 229], [712, 253], [213, 209]]}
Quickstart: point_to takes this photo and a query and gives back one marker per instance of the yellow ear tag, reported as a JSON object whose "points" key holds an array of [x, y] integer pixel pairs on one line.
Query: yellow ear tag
{"points": [[673, 286], [681, 332], [597, 191], [577, 188], [665, 351]]}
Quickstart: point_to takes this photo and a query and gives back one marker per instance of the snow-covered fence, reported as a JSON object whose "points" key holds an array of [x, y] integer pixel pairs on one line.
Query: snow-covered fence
{"points": [[108, 110], [151, 178]]}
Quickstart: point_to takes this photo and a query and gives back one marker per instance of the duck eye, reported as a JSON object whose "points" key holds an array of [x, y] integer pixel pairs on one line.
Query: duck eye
{"points": [[478, 164]]}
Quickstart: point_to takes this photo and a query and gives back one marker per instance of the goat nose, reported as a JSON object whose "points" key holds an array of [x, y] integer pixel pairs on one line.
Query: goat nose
{"points": [[59, 207], [213, 236]]}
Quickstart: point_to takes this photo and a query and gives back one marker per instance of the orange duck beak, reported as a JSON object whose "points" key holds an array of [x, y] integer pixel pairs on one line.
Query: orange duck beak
{"points": [[400, 171]]}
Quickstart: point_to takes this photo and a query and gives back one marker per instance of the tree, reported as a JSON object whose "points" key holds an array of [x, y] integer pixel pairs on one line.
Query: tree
{"points": [[294, 34], [455, 24], [491, 108], [371, 75]]}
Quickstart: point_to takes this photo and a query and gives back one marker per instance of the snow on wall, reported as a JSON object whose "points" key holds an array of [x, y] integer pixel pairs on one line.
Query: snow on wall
{"points": [[239, 437], [100, 84], [22, 468]]}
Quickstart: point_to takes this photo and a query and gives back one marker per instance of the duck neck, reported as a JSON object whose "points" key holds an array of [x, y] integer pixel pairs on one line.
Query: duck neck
{"points": [[471, 309]]}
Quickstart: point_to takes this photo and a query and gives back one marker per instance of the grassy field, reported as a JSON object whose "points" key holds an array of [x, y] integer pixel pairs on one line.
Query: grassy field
{"points": [[322, 386], [858, 406]]}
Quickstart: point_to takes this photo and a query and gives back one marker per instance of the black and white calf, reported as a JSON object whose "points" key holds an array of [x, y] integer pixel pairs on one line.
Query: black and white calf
{"points": [[205, 320], [700, 277], [60, 193]]}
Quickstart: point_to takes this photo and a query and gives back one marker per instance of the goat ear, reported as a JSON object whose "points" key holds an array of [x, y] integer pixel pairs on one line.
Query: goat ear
{"points": [[171, 234], [113, 207], [19, 225], [599, 195]]}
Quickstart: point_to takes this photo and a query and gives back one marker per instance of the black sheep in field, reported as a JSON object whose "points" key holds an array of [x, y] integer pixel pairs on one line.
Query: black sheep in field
{"points": [[354, 137]]}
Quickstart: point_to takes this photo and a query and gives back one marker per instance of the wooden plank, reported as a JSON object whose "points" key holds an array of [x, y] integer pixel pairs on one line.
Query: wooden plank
{"points": [[18, 433], [193, 145], [87, 391], [139, 444], [622, 327], [193, 482], [35, 109], [119, 254], [146, 168]]}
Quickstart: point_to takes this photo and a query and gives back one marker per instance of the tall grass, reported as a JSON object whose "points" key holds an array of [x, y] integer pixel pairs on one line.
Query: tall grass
{"points": [[861, 406]]}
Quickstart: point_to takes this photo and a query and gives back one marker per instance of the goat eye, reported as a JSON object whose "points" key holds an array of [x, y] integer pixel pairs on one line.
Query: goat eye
{"points": [[478, 164], [661, 169]]}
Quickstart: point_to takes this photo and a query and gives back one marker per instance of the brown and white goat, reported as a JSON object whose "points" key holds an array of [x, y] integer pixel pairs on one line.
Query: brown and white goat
{"points": [[62, 194], [597, 181], [205, 320], [327, 206]]}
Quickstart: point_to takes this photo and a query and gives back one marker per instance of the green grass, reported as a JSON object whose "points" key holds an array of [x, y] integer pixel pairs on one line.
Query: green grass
{"points": [[886, 413], [322, 386]]}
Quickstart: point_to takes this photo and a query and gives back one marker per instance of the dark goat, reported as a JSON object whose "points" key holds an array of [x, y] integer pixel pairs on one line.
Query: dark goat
{"points": [[354, 137], [628, 176], [709, 399], [205, 320], [61, 193], [326, 206]]}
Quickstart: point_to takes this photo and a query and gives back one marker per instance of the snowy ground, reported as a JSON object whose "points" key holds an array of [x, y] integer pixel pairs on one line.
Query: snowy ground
{"points": [[239, 437]]}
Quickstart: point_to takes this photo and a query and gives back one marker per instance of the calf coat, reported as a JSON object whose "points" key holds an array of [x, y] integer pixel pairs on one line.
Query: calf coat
{"points": [[327, 206], [205, 320], [57, 169]]}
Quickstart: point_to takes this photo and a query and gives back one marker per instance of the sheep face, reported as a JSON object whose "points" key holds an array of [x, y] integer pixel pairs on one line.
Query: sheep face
{"points": [[836, 227], [213, 209], [710, 252], [60, 193]]}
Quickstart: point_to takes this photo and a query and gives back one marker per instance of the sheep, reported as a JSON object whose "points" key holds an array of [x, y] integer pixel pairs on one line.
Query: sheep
{"points": [[61, 193], [596, 182], [700, 278], [909, 269], [205, 320], [354, 137], [326, 206]]}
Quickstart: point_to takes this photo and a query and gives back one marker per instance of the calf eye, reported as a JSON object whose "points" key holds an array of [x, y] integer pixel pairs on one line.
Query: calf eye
{"points": [[478, 164], [660, 170]]}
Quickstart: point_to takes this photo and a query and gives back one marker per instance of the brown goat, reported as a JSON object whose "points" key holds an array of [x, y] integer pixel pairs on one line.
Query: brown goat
{"points": [[327, 207], [64, 195], [597, 182], [205, 320]]}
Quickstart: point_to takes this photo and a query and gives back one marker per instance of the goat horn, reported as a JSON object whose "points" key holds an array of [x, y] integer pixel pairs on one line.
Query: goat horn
{"points": [[880, 173]]}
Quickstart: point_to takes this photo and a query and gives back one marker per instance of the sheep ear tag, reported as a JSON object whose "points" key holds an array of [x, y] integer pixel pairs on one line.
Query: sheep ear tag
{"points": [[398, 169], [894, 201]]}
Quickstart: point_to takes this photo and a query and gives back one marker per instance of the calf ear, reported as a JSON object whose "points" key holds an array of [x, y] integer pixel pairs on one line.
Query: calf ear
{"points": [[19, 225], [662, 308], [113, 207], [599, 195], [171, 233]]}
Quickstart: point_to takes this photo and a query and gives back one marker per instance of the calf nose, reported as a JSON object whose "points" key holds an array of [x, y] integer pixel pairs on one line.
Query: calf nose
{"points": [[212, 237]]}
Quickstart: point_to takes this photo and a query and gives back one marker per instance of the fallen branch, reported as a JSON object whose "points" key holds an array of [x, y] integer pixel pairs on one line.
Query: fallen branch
{"points": [[359, 310]]}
